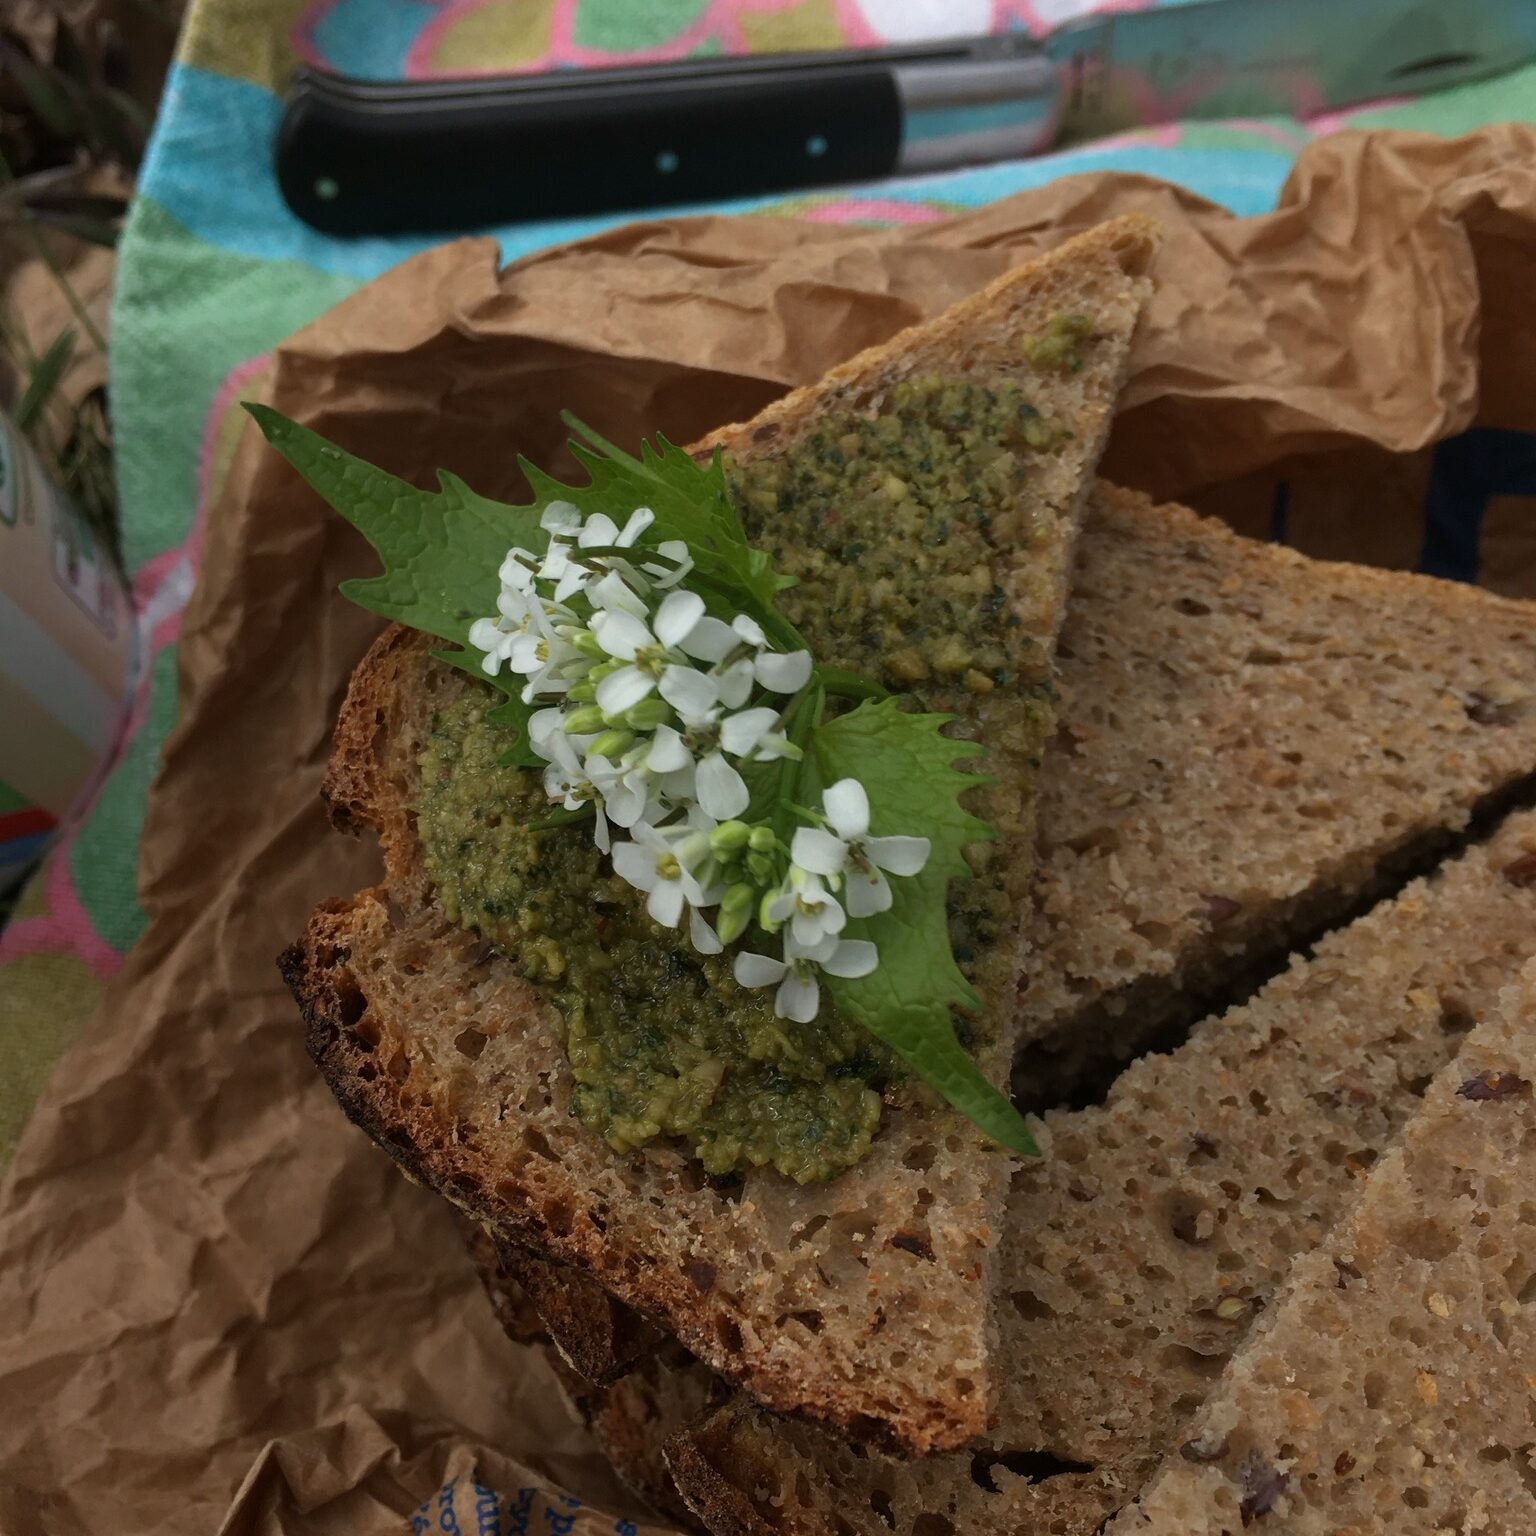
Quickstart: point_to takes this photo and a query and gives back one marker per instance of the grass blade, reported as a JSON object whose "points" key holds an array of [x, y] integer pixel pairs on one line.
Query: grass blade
{"points": [[49, 370]]}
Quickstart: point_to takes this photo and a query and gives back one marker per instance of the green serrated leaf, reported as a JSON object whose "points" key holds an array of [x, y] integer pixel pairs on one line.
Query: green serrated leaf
{"points": [[441, 550], [914, 776]]}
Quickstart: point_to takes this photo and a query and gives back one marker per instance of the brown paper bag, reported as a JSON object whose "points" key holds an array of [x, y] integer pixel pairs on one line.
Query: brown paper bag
{"points": [[218, 1301]]}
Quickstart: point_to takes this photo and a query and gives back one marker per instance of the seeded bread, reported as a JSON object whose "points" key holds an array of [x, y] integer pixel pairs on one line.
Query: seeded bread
{"points": [[1251, 744], [1161, 1223], [1390, 1387], [865, 1301]]}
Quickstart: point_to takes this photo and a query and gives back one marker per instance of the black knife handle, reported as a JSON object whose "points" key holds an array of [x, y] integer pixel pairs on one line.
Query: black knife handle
{"points": [[354, 158]]}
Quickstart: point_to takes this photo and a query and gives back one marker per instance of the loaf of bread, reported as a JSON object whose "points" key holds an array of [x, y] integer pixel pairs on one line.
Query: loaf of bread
{"points": [[864, 1301], [1161, 1224], [1251, 744], [1390, 1386]]}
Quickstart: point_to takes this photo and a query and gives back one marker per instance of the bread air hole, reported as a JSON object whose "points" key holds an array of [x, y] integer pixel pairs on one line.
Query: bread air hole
{"points": [[1032, 1466]]}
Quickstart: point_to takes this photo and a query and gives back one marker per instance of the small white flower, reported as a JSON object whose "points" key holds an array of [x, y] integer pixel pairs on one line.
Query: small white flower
{"points": [[600, 530], [636, 786], [626, 637], [696, 766], [568, 575], [517, 569], [561, 519], [666, 863], [811, 910], [625, 790], [847, 850], [751, 663], [799, 994], [567, 781], [488, 636], [670, 570]]}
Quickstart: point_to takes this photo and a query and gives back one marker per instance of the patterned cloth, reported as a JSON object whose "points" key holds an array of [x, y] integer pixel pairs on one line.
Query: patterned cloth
{"points": [[215, 271]]}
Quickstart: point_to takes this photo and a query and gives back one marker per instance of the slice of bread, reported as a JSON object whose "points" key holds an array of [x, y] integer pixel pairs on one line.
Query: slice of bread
{"points": [[514, 1305], [1251, 743], [1390, 1387], [865, 1301], [1161, 1224], [631, 1419]]}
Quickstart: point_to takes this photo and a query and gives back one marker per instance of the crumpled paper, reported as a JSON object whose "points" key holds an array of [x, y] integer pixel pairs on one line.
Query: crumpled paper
{"points": [[217, 1301]]}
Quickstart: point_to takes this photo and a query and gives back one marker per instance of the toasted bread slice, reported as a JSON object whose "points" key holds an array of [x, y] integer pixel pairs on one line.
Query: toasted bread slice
{"points": [[863, 1301], [1389, 1386], [1250, 744], [1160, 1225]]}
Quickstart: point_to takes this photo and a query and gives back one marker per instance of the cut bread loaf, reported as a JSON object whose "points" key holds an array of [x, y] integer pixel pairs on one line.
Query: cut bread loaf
{"points": [[1159, 1225], [1251, 742], [864, 1301], [631, 1419], [516, 1310], [1390, 1387]]}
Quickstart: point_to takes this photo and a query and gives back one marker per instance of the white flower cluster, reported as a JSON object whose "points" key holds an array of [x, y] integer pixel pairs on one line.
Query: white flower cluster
{"points": [[651, 706]]}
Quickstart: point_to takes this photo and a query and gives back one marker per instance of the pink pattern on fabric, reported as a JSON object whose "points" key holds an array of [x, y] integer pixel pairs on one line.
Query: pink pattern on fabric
{"points": [[64, 928], [716, 21], [872, 210]]}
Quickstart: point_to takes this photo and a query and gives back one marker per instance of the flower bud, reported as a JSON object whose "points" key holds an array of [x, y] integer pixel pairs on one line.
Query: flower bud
{"points": [[764, 921], [760, 866], [729, 836], [648, 714], [586, 642], [582, 722], [611, 744], [731, 925], [581, 693], [693, 849], [738, 898], [761, 838]]}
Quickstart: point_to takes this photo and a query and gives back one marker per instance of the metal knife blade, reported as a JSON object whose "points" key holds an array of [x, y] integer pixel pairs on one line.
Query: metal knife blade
{"points": [[1259, 58]]}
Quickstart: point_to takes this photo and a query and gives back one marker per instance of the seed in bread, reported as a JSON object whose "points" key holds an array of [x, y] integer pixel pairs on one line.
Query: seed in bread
{"points": [[1389, 1386]]}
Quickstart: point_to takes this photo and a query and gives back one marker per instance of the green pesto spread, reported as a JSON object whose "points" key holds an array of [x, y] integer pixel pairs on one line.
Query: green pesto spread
{"points": [[893, 525], [1059, 347]]}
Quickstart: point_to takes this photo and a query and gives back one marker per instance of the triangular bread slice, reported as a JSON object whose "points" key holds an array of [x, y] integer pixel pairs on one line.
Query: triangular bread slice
{"points": [[1251, 742], [1389, 1387], [1162, 1224], [865, 1301]]}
